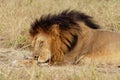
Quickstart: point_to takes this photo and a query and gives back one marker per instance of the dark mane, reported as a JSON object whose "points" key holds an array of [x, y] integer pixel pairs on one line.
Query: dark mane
{"points": [[64, 19]]}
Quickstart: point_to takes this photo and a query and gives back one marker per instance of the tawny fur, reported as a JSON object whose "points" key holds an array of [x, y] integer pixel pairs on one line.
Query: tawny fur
{"points": [[96, 46], [74, 39]]}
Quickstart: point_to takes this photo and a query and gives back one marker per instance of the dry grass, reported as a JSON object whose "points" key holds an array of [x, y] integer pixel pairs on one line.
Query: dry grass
{"points": [[57, 73], [8, 71], [17, 15], [15, 19]]}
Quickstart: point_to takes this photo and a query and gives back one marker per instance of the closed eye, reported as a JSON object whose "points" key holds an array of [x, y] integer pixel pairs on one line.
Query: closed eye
{"points": [[41, 43]]}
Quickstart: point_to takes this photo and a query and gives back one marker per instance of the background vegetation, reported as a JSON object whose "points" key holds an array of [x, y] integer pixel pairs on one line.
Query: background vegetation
{"points": [[16, 17]]}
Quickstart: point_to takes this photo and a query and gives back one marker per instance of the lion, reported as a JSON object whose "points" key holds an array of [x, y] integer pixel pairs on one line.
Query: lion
{"points": [[72, 37]]}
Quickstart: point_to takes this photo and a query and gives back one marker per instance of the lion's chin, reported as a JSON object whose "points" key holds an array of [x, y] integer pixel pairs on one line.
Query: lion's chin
{"points": [[43, 61]]}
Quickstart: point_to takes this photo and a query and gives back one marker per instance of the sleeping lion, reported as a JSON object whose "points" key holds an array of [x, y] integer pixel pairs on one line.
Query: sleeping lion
{"points": [[72, 37]]}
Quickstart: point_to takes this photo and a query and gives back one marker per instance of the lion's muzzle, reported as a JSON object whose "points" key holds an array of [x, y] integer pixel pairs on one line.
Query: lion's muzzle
{"points": [[42, 57]]}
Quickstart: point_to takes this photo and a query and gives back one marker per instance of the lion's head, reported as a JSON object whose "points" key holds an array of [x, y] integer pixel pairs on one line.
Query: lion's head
{"points": [[54, 36]]}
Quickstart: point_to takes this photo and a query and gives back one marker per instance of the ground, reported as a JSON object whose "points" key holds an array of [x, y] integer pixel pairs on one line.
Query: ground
{"points": [[9, 71], [16, 17]]}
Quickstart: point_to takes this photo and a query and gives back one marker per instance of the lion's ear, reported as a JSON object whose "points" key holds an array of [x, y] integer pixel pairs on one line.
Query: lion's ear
{"points": [[55, 29]]}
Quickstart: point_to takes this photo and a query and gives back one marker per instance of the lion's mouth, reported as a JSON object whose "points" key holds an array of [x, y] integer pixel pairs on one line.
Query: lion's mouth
{"points": [[43, 58], [43, 62]]}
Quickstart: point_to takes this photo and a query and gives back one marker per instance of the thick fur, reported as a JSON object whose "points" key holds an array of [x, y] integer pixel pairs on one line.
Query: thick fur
{"points": [[76, 38]]}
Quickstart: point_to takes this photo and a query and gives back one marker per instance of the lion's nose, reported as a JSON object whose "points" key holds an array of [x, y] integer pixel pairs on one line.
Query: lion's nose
{"points": [[36, 57]]}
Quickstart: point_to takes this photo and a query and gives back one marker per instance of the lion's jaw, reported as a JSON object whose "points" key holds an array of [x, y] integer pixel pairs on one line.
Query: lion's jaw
{"points": [[44, 57], [41, 48]]}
